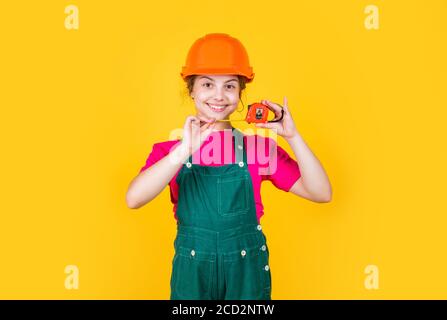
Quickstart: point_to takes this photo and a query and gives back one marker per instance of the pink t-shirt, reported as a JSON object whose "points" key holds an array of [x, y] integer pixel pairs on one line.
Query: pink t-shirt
{"points": [[262, 161]]}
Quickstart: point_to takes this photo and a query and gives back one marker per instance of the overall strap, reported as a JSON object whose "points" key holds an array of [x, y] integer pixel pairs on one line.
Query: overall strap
{"points": [[240, 155]]}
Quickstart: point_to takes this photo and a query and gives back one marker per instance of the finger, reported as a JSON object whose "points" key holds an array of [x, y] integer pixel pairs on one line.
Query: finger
{"points": [[195, 121], [188, 127], [188, 120], [276, 108], [208, 131], [195, 124], [265, 125], [286, 106], [191, 119], [204, 127], [205, 119], [205, 134]]}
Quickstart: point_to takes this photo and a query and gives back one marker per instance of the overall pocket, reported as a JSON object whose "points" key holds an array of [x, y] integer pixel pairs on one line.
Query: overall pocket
{"points": [[192, 274], [233, 195], [247, 278]]}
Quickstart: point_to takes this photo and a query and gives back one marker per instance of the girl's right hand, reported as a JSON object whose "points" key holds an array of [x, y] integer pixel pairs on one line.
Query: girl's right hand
{"points": [[195, 132]]}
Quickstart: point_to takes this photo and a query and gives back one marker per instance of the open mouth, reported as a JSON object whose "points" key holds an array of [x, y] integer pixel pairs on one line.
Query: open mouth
{"points": [[216, 108]]}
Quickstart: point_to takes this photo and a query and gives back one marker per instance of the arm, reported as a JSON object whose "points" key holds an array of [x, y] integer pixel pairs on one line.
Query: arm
{"points": [[314, 183], [149, 183]]}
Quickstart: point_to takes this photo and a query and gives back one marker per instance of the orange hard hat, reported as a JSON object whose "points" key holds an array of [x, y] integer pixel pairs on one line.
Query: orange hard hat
{"points": [[217, 53]]}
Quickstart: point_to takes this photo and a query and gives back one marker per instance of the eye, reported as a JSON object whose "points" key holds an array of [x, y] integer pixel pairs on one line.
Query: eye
{"points": [[206, 84], [230, 86]]}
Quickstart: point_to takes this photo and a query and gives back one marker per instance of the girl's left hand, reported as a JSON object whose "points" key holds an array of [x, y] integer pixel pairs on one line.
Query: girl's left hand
{"points": [[286, 127]]}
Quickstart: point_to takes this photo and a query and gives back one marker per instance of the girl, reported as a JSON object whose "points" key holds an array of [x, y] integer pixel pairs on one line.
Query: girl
{"points": [[221, 251]]}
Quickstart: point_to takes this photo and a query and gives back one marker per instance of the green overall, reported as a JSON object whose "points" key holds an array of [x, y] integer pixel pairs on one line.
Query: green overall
{"points": [[221, 252]]}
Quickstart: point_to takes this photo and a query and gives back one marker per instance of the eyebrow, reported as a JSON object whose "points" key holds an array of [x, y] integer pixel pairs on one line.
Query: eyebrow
{"points": [[213, 80]]}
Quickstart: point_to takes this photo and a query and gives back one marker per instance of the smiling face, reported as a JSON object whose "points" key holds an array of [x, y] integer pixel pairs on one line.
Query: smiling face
{"points": [[216, 96]]}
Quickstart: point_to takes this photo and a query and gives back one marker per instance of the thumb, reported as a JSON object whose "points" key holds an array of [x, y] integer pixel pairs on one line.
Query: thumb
{"points": [[208, 130], [265, 125]]}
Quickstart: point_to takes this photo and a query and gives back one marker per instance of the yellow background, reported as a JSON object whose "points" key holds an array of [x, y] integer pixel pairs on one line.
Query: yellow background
{"points": [[80, 110]]}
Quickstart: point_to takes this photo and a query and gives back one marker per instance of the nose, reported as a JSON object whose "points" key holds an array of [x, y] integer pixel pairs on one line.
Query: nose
{"points": [[218, 94]]}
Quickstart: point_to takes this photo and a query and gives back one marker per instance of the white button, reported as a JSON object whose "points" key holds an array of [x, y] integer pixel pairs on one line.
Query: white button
{"points": [[259, 227], [263, 247], [243, 252], [266, 268], [188, 164], [193, 253], [239, 147], [241, 164]]}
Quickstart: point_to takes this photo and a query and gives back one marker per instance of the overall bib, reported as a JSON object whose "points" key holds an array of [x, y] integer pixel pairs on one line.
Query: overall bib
{"points": [[221, 252]]}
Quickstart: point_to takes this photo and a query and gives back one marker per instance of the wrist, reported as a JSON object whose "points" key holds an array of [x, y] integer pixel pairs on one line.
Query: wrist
{"points": [[180, 154], [184, 150], [293, 136]]}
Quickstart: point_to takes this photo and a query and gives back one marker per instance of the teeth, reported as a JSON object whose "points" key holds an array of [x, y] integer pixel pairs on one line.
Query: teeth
{"points": [[217, 108]]}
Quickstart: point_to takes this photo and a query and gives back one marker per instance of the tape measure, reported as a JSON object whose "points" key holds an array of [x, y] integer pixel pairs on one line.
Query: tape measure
{"points": [[258, 113]]}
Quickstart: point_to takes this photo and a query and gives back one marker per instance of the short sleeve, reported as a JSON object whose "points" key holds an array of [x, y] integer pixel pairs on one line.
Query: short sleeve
{"points": [[284, 171], [155, 155]]}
